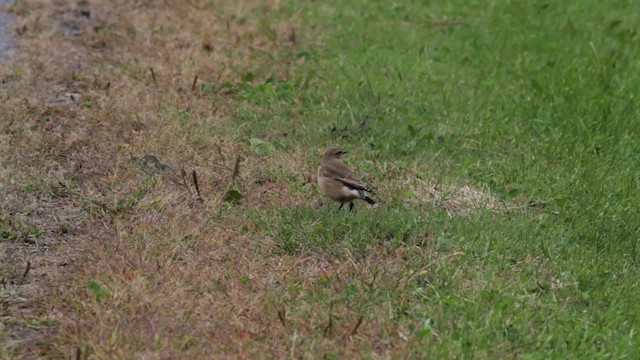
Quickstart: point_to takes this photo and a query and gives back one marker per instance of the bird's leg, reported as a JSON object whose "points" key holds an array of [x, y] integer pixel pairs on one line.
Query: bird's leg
{"points": [[341, 205], [350, 206]]}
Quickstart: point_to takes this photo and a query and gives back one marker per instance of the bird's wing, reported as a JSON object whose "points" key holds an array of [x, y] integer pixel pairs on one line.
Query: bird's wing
{"points": [[337, 171], [353, 183]]}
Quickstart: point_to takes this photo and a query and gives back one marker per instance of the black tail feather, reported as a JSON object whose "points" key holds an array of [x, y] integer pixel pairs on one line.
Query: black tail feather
{"points": [[366, 198], [369, 200]]}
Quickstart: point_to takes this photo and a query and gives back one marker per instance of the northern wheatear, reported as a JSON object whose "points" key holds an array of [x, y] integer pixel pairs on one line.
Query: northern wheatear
{"points": [[336, 180]]}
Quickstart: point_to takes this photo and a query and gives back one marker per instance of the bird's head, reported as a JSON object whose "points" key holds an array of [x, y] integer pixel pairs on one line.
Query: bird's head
{"points": [[334, 153]]}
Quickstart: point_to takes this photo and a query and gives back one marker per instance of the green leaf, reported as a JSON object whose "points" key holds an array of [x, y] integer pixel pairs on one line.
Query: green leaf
{"points": [[424, 331], [99, 291], [150, 164], [330, 356], [248, 77], [260, 147], [232, 196]]}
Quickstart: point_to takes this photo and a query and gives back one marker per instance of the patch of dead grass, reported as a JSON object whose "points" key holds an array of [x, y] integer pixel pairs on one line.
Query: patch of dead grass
{"points": [[463, 199], [91, 86]]}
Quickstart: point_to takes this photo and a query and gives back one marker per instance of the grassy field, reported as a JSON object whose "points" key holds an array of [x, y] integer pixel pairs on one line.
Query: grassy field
{"points": [[157, 166]]}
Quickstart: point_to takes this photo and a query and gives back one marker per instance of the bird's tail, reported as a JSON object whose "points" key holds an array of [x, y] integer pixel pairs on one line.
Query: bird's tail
{"points": [[364, 196]]}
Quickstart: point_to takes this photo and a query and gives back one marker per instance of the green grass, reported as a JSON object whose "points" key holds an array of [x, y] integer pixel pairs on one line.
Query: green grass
{"points": [[538, 102], [308, 230]]}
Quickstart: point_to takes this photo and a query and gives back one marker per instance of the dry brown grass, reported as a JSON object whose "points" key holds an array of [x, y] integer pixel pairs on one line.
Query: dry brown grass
{"points": [[90, 87], [82, 97]]}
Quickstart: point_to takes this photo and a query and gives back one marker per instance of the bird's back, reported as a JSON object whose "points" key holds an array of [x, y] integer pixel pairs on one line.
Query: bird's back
{"points": [[335, 169]]}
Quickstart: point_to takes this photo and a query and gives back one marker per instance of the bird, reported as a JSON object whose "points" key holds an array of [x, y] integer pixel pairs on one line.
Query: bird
{"points": [[337, 182]]}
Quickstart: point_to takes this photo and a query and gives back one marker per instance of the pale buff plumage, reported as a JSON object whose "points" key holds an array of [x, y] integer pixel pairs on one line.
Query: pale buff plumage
{"points": [[337, 182]]}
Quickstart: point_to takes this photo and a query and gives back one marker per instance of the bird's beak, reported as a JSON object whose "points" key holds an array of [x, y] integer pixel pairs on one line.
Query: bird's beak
{"points": [[343, 152]]}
